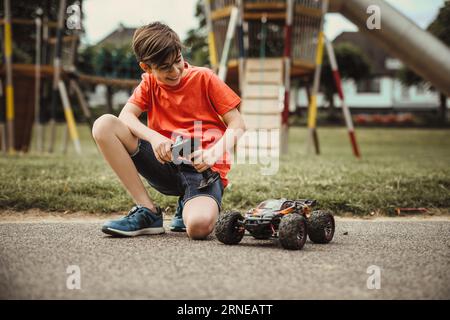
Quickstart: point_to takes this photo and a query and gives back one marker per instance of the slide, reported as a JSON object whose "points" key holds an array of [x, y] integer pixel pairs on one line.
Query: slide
{"points": [[403, 39]]}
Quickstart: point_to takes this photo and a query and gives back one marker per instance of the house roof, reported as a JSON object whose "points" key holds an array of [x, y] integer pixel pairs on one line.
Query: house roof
{"points": [[376, 55], [120, 37]]}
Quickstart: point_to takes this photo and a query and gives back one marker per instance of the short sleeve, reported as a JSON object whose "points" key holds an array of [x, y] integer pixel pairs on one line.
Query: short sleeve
{"points": [[141, 94], [222, 97]]}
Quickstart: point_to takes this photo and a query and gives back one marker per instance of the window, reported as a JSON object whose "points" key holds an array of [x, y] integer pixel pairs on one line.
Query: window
{"points": [[405, 92], [393, 64], [421, 89], [369, 86]]}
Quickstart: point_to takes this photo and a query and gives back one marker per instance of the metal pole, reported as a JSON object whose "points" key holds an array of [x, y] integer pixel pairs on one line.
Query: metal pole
{"points": [[9, 78], [240, 35], [74, 86], [2, 110], [345, 109], [211, 40], [312, 110], [44, 83], [82, 101], [262, 62], [226, 48], [2, 120], [56, 73], [37, 88], [71, 125], [65, 140], [287, 75]]}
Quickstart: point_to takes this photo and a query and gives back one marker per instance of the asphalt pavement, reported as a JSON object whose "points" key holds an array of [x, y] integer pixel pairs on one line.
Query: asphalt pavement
{"points": [[367, 259]]}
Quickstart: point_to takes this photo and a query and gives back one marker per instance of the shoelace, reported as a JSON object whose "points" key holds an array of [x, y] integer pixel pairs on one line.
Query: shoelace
{"points": [[132, 212], [135, 209]]}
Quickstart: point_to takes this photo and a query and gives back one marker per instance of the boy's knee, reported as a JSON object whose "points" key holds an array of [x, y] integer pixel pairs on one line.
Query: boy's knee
{"points": [[200, 227], [102, 126]]}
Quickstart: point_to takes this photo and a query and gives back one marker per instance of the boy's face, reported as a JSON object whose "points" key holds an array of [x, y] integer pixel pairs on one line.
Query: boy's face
{"points": [[169, 73]]}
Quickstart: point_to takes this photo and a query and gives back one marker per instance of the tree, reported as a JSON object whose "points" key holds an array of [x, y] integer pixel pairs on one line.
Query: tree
{"points": [[86, 58], [109, 61], [197, 51], [353, 64], [440, 28]]}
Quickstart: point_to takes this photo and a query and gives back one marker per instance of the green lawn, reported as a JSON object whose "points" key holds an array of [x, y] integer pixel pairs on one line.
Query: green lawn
{"points": [[400, 168]]}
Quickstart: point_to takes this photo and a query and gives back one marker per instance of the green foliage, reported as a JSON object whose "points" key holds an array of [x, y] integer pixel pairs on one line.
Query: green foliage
{"points": [[86, 57], [196, 51], [353, 64], [408, 77], [109, 61], [440, 28]]}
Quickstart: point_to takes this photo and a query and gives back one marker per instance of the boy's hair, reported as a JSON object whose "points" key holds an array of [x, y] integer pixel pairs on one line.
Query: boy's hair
{"points": [[155, 43]]}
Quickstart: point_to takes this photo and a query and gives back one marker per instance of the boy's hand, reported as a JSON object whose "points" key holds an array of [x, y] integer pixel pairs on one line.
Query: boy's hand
{"points": [[162, 149], [204, 159]]}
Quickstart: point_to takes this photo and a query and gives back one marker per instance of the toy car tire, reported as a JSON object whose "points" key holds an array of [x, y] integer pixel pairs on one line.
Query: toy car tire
{"points": [[292, 232], [229, 228], [321, 227]]}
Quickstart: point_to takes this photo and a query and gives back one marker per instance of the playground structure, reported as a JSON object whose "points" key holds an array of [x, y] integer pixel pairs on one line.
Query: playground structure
{"points": [[276, 42], [35, 91], [260, 48], [50, 44], [280, 42]]}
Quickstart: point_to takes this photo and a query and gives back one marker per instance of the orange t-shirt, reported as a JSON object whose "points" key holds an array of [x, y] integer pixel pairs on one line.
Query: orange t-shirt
{"points": [[200, 96]]}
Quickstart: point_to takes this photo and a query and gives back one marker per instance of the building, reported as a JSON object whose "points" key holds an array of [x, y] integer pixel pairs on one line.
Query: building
{"points": [[120, 37], [383, 91]]}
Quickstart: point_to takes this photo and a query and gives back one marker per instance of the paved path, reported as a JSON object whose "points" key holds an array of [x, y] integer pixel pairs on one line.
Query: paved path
{"points": [[413, 254]]}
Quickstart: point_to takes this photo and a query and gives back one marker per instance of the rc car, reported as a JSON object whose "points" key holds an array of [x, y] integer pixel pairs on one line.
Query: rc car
{"points": [[291, 221]]}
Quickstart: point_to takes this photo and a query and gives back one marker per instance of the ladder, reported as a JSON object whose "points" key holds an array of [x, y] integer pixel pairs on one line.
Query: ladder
{"points": [[261, 107]]}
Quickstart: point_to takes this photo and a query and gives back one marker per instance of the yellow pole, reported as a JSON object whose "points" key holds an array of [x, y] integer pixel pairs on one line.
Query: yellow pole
{"points": [[212, 49], [312, 109], [9, 78], [2, 121], [312, 115], [211, 39], [71, 124]]}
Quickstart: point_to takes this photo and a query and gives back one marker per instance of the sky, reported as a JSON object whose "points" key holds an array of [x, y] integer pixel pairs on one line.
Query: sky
{"points": [[103, 16]]}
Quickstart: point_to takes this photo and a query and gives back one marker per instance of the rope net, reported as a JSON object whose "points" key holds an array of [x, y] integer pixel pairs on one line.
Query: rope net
{"points": [[305, 28]]}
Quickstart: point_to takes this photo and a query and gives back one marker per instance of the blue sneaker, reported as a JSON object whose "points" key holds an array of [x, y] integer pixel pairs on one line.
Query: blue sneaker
{"points": [[177, 224], [140, 220]]}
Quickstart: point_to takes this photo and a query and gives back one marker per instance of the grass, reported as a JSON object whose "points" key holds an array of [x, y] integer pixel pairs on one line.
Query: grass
{"points": [[399, 168]]}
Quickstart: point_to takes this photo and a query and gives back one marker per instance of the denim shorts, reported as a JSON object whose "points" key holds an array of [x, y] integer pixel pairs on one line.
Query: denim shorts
{"points": [[173, 180]]}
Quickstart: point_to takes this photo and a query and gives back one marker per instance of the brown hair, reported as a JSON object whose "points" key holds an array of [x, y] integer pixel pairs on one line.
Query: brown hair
{"points": [[156, 42]]}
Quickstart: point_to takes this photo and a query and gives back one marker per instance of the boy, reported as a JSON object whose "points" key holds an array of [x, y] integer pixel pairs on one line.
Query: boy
{"points": [[178, 99]]}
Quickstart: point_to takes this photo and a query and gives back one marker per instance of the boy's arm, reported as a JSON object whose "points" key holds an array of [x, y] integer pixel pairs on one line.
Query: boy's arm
{"points": [[235, 129], [130, 116], [160, 144]]}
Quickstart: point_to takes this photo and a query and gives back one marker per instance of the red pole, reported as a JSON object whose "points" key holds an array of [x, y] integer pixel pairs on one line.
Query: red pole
{"points": [[345, 109]]}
